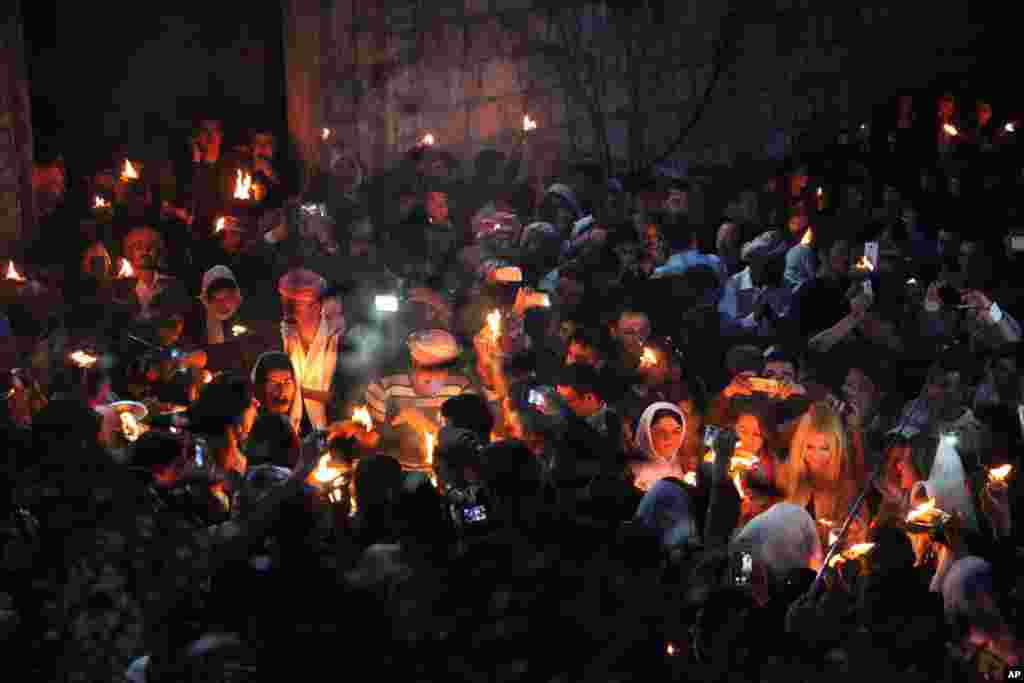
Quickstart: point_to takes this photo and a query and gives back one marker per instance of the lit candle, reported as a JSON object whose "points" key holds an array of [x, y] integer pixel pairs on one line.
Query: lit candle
{"points": [[325, 133], [83, 359], [528, 123], [429, 442], [1010, 127], [999, 474], [99, 202], [13, 275], [808, 237], [428, 140], [950, 130], [361, 416], [649, 358], [690, 478], [243, 185], [925, 513], [494, 322], [324, 471], [864, 264], [126, 270], [129, 173]]}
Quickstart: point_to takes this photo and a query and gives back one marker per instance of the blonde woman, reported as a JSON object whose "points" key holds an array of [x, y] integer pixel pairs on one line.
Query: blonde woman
{"points": [[822, 474]]}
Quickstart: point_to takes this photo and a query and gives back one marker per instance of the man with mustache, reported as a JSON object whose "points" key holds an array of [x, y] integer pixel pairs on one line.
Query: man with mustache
{"points": [[142, 247]]}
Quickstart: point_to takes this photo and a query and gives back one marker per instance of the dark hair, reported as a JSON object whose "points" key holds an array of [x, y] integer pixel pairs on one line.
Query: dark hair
{"points": [[470, 412], [221, 404], [780, 354], [155, 449], [271, 441], [511, 469], [590, 337], [221, 284], [582, 378]]}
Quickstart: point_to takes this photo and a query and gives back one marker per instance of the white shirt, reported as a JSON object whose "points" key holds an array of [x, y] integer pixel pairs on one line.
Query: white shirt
{"points": [[740, 298]]}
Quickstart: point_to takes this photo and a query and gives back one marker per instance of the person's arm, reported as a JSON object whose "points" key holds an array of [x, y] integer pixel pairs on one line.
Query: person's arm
{"points": [[826, 339], [724, 505]]}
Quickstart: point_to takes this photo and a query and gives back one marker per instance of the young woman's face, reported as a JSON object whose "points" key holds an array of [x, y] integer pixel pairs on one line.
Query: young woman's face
{"points": [[748, 428], [225, 303], [818, 451], [667, 436]]}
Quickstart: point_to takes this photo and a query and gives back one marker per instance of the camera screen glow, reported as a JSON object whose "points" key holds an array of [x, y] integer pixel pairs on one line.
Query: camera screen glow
{"points": [[387, 303]]}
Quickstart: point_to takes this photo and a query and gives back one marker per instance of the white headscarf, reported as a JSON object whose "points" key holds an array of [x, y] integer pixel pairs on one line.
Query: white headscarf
{"points": [[214, 327], [783, 538], [655, 467], [947, 483]]}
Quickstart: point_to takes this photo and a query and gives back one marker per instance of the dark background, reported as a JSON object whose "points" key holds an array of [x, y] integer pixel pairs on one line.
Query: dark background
{"points": [[117, 79]]}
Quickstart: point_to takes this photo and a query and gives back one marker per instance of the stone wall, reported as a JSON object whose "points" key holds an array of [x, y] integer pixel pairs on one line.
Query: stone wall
{"points": [[460, 69], [15, 136]]}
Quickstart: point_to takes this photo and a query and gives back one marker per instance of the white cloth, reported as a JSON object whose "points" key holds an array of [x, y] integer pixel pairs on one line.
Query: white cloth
{"points": [[740, 298], [314, 370], [655, 467], [783, 538], [947, 483]]}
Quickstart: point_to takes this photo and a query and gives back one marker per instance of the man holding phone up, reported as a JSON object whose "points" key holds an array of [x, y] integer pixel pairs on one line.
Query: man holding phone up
{"points": [[950, 312]]}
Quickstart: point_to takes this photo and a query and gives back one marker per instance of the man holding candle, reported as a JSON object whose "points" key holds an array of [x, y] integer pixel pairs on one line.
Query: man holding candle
{"points": [[143, 247]]}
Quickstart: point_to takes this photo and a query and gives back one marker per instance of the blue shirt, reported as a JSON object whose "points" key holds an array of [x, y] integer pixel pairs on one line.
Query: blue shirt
{"points": [[683, 261], [739, 300]]}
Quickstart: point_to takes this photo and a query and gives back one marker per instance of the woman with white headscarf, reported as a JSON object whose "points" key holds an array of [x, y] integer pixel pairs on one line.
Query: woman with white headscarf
{"points": [[221, 298], [659, 439], [782, 538]]}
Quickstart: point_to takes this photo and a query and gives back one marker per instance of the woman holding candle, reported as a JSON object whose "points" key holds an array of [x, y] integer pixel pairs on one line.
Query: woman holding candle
{"points": [[221, 298]]}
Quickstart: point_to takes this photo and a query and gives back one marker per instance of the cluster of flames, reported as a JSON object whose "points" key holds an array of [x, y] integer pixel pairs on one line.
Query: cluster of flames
{"points": [[129, 173], [864, 264], [13, 274], [649, 358], [243, 185], [999, 474], [739, 465], [361, 416]]}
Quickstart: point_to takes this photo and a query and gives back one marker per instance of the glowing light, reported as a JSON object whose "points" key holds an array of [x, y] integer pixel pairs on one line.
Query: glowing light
{"points": [[926, 513], [207, 376], [324, 471], [99, 202], [737, 482], [126, 269], [808, 237], [649, 358], [1000, 473], [950, 130], [821, 192], [13, 274], [832, 537], [429, 441], [428, 140], [238, 330], [221, 223], [690, 478], [864, 264], [243, 185], [128, 173], [130, 426], [83, 359], [325, 133], [670, 650], [528, 123], [1010, 127], [361, 416], [494, 322]]}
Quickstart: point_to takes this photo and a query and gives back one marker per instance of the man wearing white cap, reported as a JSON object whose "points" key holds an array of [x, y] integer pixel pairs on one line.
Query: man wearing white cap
{"points": [[415, 398], [312, 332]]}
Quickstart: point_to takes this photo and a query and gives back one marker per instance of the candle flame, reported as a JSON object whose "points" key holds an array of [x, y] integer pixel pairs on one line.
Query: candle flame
{"points": [[738, 483], [326, 133], [1010, 127], [821, 191], [670, 650], [852, 553], [1000, 473], [324, 471], [808, 237], [826, 522], [950, 130], [864, 264], [126, 269], [649, 358], [99, 202], [207, 376], [832, 537], [13, 274], [528, 123], [129, 172], [428, 140], [690, 478], [494, 322], [923, 512], [243, 185], [709, 456], [83, 359], [238, 330], [129, 426], [221, 222], [429, 443], [362, 416], [743, 462]]}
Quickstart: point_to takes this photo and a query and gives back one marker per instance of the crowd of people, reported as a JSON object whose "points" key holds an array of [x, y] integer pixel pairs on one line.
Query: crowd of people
{"points": [[527, 424]]}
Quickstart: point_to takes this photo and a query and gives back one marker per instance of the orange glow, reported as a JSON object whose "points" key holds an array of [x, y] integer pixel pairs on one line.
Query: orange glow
{"points": [[670, 650], [864, 264], [709, 456], [221, 222], [808, 237], [83, 359], [130, 426], [428, 140], [362, 416], [207, 377], [243, 185], [1000, 473], [950, 130], [129, 172], [238, 330], [324, 471], [832, 537], [429, 441], [737, 482], [1010, 127], [126, 269], [528, 123], [99, 202], [13, 274], [926, 513], [649, 358], [494, 322], [852, 553]]}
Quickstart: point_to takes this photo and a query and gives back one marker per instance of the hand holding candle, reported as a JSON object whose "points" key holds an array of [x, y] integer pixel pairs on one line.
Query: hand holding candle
{"points": [[528, 124], [361, 416], [649, 358], [428, 140], [129, 172], [494, 323]]}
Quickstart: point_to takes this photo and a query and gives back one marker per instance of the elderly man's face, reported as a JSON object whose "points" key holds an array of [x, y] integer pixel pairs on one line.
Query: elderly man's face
{"points": [[141, 249], [302, 313], [263, 146], [279, 391]]}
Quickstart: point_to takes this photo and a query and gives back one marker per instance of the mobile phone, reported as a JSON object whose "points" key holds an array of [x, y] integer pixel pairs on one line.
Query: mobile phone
{"points": [[200, 455], [871, 254], [868, 289], [536, 398], [763, 385], [742, 568], [475, 514]]}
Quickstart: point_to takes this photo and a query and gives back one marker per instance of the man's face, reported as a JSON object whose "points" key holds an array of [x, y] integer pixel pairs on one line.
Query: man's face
{"points": [[782, 370], [428, 381], [210, 136], [279, 391], [839, 258], [140, 248], [581, 353], [583, 406], [632, 331], [263, 146], [797, 224], [437, 207], [302, 313]]}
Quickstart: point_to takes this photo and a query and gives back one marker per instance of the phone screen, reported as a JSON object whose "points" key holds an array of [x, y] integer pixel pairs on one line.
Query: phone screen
{"points": [[387, 303], [475, 514], [536, 398], [744, 569], [200, 456], [1017, 243]]}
